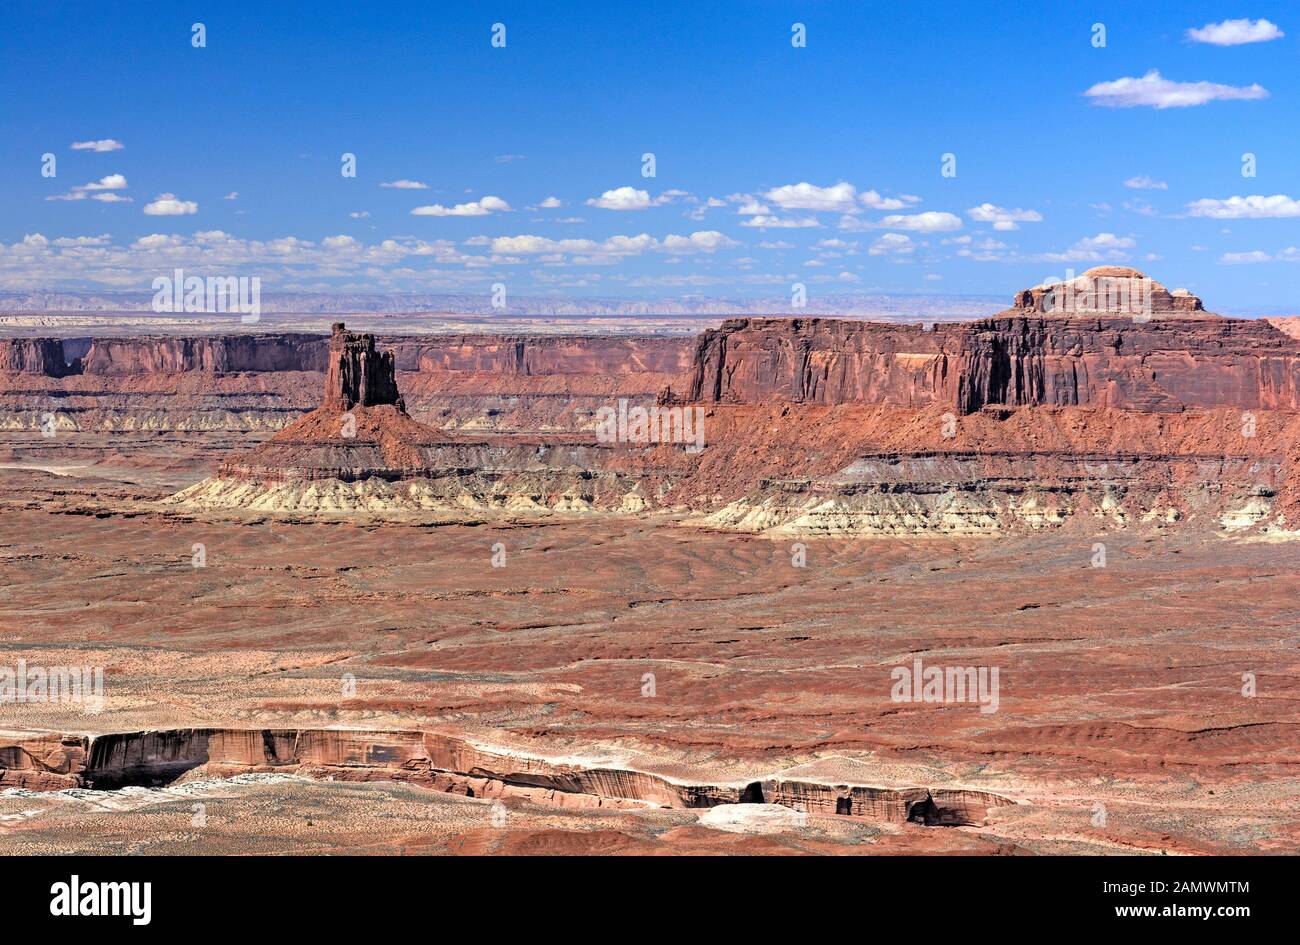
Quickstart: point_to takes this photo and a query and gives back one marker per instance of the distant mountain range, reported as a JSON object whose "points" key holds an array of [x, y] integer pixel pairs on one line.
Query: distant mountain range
{"points": [[891, 307]]}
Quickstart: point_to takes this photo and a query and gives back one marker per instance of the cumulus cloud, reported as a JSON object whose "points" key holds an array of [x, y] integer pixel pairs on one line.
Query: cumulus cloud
{"points": [[873, 201], [1142, 182], [103, 144], [705, 241], [405, 184], [805, 196], [892, 244], [1100, 248], [621, 198], [1255, 207], [1155, 91], [629, 198], [97, 190], [1002, 218], [550, 203], [167, 205], [589, 251], [931, 221], [475, 208], [766, 220], [1235, 32], [359, 214], [1254, 256]]}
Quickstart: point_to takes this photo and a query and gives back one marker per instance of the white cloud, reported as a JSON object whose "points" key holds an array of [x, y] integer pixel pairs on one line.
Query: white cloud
{"points": [[1100, 248], [82, 240], [752, 208], [1254, 207], [476, 208], [931, 221], [872, 200], [621, 198], [806, 196], [359, 214], [103, 144], [1002, 218], [892, 244], [166, 205], [233, 195], [591, 252], [778, 244], [1142, 182], [550, 203], [109, 182], [705, 241], [1157, 92], [158, 241], [1235, 32], [765, 221], [110, 197], [1255, 256], [405, 184], [507, 158], [629, 198]]}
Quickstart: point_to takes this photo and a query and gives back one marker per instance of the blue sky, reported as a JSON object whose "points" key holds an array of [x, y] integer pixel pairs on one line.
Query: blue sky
{"points": [[230, 155]]}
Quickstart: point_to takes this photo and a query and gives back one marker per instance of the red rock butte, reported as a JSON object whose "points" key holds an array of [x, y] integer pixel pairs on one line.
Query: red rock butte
{"points": [[360, 430], [358, 375]]}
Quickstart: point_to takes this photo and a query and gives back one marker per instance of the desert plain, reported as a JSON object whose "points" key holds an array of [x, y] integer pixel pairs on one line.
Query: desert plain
{"points": [[521, 659]]}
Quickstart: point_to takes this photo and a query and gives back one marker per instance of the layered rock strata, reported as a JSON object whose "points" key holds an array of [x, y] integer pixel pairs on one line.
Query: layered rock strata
{"points": [[1167, 365], [50, 761]]}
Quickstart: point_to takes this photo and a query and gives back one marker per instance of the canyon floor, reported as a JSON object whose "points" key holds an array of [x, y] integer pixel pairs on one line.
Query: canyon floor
{"points": [[637, 644]]}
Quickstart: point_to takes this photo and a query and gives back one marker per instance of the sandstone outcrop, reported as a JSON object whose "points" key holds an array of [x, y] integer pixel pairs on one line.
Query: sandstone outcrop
{"points": [[47, 761], [1117, 291]]}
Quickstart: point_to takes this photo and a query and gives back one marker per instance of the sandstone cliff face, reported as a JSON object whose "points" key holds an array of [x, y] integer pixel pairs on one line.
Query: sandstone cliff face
{"points": [[44, 356], [1161, 365], [219, 354], [535, 356], [824, 361]]}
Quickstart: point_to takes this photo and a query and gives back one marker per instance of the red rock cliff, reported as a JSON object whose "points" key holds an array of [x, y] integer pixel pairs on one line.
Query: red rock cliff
{"points": [[35, 356], [220, 354]]}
